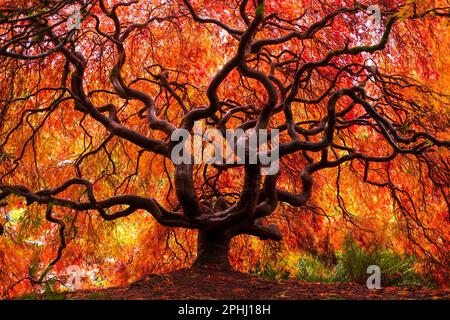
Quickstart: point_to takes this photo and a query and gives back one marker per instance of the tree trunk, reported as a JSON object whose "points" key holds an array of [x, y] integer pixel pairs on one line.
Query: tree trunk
{"points": [[212, 250]]}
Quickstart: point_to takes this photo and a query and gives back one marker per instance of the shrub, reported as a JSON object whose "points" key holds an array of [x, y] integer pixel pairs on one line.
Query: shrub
{"points": [[396, 269], [311, 269], [351, 266], [270, 271]]}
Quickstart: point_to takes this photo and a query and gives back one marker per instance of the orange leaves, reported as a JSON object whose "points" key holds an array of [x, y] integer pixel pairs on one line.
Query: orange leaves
{"points": [[47, 137]]}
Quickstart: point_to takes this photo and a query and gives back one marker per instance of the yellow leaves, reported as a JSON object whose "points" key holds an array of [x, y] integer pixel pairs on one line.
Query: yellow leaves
{"points": [[414, 8], [407, 10], [126, 232]]}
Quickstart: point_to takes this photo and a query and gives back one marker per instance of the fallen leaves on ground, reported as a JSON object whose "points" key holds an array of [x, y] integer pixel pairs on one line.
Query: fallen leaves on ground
{"points": [[222, 284]]}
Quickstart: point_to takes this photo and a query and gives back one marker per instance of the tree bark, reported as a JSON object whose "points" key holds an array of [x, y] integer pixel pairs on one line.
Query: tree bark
{"points": [[212, 250]]}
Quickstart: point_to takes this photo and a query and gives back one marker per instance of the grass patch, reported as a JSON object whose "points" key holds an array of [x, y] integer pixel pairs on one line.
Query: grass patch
{"points": [[396, 269], [351, 266], [99, 296]]}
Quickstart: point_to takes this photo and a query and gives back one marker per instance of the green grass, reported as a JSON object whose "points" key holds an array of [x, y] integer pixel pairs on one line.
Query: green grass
{"points": [[351, 266], [29, 296], [311, 269], [396, 269], [98, 296], [270, 272]]}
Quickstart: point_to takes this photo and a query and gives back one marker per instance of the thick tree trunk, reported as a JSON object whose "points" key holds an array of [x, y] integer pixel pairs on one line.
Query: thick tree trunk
{"points": [[212, 250]]}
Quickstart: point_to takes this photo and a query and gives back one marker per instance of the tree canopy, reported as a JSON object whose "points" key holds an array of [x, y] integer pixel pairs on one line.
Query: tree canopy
{"points": [[87, 113]]}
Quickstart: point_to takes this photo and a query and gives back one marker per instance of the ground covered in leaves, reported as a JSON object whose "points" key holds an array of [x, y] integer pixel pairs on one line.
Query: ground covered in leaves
{"points": [[219, 284]]}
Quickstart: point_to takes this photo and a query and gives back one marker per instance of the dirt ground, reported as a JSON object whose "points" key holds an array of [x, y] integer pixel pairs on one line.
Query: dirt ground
{"points": [[220, 284]]}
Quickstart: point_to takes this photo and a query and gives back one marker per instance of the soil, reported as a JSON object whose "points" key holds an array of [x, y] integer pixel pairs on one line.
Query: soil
{"points": [[206, 283]]}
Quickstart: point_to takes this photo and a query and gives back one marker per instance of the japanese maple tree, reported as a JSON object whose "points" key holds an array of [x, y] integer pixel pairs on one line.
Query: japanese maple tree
{"points": [[88, 111]]}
